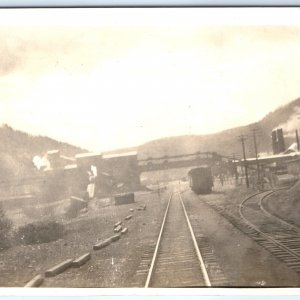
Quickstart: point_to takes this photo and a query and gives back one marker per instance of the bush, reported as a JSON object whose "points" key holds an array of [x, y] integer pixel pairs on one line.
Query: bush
{"points": [[5, 239], [40, 232], [5, 228]]}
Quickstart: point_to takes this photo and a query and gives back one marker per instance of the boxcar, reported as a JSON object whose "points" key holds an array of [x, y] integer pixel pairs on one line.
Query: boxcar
{"points": [[201, 180]]}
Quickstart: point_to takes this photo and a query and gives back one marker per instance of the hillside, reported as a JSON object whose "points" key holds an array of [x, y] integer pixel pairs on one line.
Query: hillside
{"points": [[227, 142], [18, 148]]}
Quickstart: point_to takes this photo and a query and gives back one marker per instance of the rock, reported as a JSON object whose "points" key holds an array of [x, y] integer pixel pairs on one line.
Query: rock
{"points": [[117, 224], [115, 237], [128, 217], [102, 244], [118, 228], [35, 282], [81, 260], [59, 268], [124, 230]]}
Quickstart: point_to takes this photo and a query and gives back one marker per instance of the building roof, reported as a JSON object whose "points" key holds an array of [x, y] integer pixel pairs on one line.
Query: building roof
{"points": [[116, 155], [88, 154], [272, 158], [292, 148]]}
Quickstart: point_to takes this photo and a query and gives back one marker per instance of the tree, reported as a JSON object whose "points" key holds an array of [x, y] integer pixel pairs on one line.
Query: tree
{"points": [[5, 223]]}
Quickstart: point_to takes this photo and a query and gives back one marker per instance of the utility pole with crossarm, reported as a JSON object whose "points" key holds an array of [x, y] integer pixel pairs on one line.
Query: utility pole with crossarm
{"points": [[242, 139]]}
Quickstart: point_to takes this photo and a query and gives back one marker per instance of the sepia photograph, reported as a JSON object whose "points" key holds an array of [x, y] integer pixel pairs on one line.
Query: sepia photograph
{"points": [[150, 148]]}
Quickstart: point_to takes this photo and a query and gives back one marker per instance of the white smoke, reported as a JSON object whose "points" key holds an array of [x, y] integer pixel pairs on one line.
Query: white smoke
{"points": [[291, 124], [41, 162]]}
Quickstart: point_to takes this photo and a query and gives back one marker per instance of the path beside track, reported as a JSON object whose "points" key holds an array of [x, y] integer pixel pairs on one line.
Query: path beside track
{"points": [[241, 259]]}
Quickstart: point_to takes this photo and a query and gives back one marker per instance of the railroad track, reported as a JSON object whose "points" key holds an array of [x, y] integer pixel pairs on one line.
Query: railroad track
{"points": [[279, 237], [177, 261], [264, 208], [276, 235]]}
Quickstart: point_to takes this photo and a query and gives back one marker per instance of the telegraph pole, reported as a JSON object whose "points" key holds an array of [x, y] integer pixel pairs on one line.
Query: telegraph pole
{"points": [[256, 153], [242, 139]]}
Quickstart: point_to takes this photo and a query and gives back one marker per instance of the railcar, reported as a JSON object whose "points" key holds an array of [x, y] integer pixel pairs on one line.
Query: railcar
{"points": [[201, 180]]}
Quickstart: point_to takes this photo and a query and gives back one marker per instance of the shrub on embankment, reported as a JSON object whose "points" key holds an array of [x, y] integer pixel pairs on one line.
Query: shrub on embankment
{"points": [[39, 232], [5, 229]]}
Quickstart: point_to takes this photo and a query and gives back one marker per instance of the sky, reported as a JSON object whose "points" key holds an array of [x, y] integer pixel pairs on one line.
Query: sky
{"points": [[107, 78]]}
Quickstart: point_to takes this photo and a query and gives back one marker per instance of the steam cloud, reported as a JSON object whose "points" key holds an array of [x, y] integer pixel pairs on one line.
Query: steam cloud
{"points": [[291, 124], [41, 162]]}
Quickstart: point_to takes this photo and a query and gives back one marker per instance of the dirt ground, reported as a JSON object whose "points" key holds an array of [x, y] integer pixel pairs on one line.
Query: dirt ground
{"points": [[242, 261], [113, 266]]}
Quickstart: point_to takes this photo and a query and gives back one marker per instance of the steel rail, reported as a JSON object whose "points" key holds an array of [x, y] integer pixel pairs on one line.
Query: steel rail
{"points": [[157, 245], [292, 252], [268, 213], [201, 262]]}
